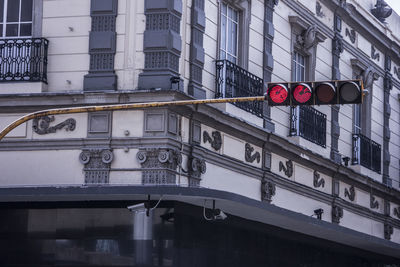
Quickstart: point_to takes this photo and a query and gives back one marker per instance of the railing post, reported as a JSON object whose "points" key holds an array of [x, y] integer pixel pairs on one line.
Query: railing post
{"points": [[356, 150]]}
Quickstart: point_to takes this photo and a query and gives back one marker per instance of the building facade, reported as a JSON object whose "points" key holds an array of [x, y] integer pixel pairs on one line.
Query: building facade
{"points": [[207, 185]]}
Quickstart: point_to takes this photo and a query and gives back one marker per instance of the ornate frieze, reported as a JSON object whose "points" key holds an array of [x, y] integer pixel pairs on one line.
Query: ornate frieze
{"points": [[97, 164], [317, 181], [351, 34], [350, 193], [42, 125], [287, 168], [248, 154], [268, 190], [337, 213], [388, 231], [215, 141], [373, 203], [196, 167], [159, 165]]}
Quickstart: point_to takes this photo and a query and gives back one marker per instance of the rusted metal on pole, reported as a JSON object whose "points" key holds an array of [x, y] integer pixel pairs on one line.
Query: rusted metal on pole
{"points": [[83, 109]]}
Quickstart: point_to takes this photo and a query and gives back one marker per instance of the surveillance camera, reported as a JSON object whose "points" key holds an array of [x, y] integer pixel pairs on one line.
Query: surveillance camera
{"points": [[136, 208], [219, 215]]}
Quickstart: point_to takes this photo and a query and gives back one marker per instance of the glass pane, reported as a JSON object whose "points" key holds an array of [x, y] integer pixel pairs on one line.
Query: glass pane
{"points": [[230, 37], [26, 10], [1, 30], [235, 16], [13, 11], [1, 10], [12, 30], [230, 12], [234, 37], [223, 32], [224, 9], [26, 29]]}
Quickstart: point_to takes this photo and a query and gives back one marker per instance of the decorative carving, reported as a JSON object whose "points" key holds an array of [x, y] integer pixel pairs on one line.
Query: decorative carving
{"points": [[350, 193], [42, 125], [397, 72], [268, 190], [381, 11], [215, 141], [319, 10], [396, 212], [196, 167], [288, 169], [307, 39], [351, 34], [337, 44], [369, 76], [388, 231], [373, 203], [160, 165], [97, 165], [374, 53], [251, 158], [317, 182], [337, 213]]}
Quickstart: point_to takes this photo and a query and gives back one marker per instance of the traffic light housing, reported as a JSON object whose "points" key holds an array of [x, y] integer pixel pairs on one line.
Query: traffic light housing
{"points": [[315, 93]]}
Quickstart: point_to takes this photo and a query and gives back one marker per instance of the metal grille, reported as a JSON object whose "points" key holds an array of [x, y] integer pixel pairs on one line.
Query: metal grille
{"points": [[366, 152], [312, 125], [233, 81], [23, 59]]}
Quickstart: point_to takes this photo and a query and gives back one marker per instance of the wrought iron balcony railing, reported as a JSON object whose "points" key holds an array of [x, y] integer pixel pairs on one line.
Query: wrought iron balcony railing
{"points": [[308, 123], [234, 81], [366, 152], [23, 59]]}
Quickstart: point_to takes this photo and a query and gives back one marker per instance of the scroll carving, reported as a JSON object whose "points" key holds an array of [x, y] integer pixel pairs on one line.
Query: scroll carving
{"points": [[374, 204], [397, 72], [196, 167], [396, 212], [268, 190], [388, 231], [248, 154], [215, 141], [337, 213], [374, 53], [307, 39], [350, 193], [317, 181], [287, 168], [351, 34], [318, 10], [97, 165], [42, 125]]}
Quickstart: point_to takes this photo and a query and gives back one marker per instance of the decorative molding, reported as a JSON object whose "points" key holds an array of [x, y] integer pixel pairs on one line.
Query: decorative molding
{"points": [[387, 87], [317, 182], [381, 11], [373, 203], [248, 154], [351, 34], [42, 125], [215, 141], [318, 10], [388, 231], [374, 53], [268, 190], [97, 164], [396, 71], [196, 167], [159, 164], [350, 193], [396, 212], [288, 169], [337, 213]]}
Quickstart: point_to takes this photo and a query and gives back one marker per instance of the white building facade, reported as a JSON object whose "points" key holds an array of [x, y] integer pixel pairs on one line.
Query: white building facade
{"points": [[322, 182]]}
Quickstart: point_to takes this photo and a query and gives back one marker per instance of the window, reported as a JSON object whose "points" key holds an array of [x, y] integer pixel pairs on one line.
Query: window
{"points": [[16, 18], [229, 33], [299, 64]]}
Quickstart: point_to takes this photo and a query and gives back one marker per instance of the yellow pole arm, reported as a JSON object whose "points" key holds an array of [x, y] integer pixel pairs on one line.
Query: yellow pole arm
{"points": [[57, 111]]}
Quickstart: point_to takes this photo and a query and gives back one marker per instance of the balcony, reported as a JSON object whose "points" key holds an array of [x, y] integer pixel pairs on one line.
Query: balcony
{"points": [[308, 123], [23, 59], [366, 152], [234, 81]]}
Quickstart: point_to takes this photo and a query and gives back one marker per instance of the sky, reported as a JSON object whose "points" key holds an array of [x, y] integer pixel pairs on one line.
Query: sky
{"points": [[394, 4]]}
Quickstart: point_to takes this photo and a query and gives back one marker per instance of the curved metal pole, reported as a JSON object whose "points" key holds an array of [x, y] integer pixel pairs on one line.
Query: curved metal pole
{"points": [[57, 111]]}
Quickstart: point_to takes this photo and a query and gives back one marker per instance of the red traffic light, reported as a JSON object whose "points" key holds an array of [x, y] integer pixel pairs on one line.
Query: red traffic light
{"points": [[278, 94], [302, 93]]}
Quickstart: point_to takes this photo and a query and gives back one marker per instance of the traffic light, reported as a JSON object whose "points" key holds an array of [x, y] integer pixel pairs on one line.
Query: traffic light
{"points": [[315, 93]]}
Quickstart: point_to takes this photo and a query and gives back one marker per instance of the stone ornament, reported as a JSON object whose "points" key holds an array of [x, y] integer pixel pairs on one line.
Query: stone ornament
{"points": [[196, 167], [97, 165], [215, 141], [42, 125], [248, 154], [350, 193], [337, 45], [388, 231], [374, 53], [160, 165], [307, 39], [396, 212], [287, 169], [381, 10], [397, 72], [268, 190], [317, 182], [351, 34], [337, 213], [374, 204], [318, 10]]}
